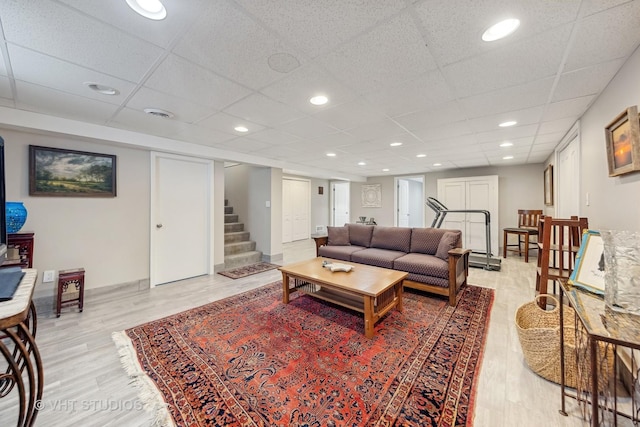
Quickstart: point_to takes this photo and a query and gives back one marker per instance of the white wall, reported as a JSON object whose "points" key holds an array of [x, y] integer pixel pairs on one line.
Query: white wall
{"points": [[614, 202], [108, 237]]}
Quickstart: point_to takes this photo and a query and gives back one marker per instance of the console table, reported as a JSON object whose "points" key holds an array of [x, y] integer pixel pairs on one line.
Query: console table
{"points": [[601, 334], [22, 245], [18, 325]]}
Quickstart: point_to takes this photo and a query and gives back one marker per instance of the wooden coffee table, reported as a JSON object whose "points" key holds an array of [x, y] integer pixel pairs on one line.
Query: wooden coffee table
{"points": [[370, 290]]}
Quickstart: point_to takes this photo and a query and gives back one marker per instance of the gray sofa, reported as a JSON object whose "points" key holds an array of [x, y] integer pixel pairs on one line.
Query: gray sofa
{"points": [[433, 257]]}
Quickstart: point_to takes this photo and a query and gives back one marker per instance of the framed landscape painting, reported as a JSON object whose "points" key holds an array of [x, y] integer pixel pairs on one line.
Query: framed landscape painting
{"points": [[623, 143], [59, 172]]}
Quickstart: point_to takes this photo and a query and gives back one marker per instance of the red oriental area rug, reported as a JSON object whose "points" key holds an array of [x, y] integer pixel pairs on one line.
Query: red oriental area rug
{"points": [[250, 360]]}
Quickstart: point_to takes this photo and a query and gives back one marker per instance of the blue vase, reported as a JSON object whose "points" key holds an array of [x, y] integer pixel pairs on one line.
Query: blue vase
{"points": [[16, 216]]}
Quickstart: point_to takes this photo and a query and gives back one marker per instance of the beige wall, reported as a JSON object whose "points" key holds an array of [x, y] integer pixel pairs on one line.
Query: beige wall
{"points": [[108, 237]]}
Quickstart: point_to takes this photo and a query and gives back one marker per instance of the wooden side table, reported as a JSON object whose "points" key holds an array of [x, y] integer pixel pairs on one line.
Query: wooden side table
{"points": [[19, 250], [70, 289]]}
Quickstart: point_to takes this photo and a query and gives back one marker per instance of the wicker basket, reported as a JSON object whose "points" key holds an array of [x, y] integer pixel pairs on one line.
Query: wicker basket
{"points": [[539, 333]]}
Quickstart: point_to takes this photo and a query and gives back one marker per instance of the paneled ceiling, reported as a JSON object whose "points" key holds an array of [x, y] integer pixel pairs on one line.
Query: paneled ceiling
{"points": [[415, 72]]}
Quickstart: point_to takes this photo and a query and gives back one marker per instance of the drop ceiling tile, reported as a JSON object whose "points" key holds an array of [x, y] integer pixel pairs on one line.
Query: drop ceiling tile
{"points": [[561, 125], [3, 68], [184, 111], [586, 81], [260, 109], [226, 123], [235, 45], [6, 102], [350, 115], [547, 148], [399, 55], [40, 99], [518, 143], [519, 97], [5, 88], [523, 117], [554, 137], [316, 27], [27, 66], [449, 130], [337, 139], [619, 39], [589, 7], [274, 137], [180, 14], [427, 90], [449, 112], [505, 134], [300, 85], [96, 45], [138, 121], [243, 145], [568, 108], [183, 79], [308, 128], [514, 64], [454, 30], [201, 135]]}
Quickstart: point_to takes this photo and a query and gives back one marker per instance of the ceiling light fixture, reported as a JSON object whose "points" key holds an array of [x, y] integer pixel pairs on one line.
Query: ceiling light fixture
{"points": [[501, 29], [507, 158], [395, 144], [385, 170], [437, 164], [319, 100], [159, 113], [102, 89], [152, 9], [241, 129], [508, 124], [331, 154], [362, 164], [506, 144], [421, 155]]}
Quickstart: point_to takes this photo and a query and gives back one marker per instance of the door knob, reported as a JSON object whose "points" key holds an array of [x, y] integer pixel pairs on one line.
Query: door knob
{"points": [[158, 225]]}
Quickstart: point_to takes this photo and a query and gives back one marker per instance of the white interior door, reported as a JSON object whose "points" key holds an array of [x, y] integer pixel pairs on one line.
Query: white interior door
{"points": [[180, 218], [568, 172], [301, 200], [287, 212], [402, 187], [340, 200], [453, 196], [478, 195]]}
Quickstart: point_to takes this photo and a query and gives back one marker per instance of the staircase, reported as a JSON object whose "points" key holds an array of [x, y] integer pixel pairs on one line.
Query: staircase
{"points": [[238, 249]]}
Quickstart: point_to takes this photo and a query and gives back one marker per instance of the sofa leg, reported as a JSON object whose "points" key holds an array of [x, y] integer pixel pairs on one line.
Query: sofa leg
{"points": [[452, 299]]}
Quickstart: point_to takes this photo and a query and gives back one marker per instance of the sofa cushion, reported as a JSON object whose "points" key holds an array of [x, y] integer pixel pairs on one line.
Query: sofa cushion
{"points": [[338, 236], [342, 253], [427, 265], [429, 280], [377, 257], [360, 234], [394, 238], [426, 240], [448, 241]]}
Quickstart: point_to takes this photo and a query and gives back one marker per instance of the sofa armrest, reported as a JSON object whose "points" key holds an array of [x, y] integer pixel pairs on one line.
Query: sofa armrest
{"points": [[458, 271], [320, 241]]}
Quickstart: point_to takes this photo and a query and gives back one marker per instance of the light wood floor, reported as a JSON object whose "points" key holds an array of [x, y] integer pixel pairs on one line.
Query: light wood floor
{"points": [[85, 384]]}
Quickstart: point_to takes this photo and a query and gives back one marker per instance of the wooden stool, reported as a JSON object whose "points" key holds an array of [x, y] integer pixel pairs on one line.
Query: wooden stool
{"points": [[70, 282]]}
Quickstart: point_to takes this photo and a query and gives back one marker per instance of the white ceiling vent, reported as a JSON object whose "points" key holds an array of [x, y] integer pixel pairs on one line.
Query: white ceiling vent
{"points": [[158, 112]]}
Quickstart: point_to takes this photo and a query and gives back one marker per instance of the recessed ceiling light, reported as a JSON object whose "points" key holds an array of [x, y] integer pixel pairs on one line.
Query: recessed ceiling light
{"points": [[362, 164], [331, 154], [159, 113], [506, 144], [507, 124], [507, 158], [395, 144], [421, 155], [319, 100], [241, 129], [102, 89], [152, 9], [437, 164], [385, 170], [501, 29]]}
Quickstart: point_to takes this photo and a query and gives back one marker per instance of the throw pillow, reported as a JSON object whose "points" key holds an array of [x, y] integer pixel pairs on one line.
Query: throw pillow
{"points": [[448, 241], [338, 236]]}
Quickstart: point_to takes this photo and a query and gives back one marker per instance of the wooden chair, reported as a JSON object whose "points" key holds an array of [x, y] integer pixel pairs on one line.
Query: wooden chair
{"points": [[558, 246], [528, 222]]}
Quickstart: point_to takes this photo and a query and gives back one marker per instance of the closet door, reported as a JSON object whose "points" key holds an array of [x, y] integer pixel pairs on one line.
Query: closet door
{"points": [[471, 193]]}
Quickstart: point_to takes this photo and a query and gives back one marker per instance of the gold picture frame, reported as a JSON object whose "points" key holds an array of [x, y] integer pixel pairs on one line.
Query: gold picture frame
{"points": [[548, 185], [623, 142]]}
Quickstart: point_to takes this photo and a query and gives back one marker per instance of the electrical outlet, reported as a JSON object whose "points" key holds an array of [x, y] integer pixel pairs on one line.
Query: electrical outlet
{"points": [[48, 276]]}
